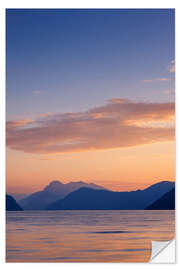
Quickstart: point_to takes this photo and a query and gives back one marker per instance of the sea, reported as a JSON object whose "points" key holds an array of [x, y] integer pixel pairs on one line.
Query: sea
{"points": [[86, 236]]}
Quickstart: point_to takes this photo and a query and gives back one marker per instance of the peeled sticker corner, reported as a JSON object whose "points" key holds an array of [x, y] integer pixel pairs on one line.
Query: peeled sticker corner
{"points": [[163, 252]]}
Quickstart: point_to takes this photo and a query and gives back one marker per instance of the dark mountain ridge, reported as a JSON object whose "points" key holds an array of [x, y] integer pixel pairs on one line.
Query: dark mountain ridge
{"points": [[166, 202], [11, 204], [52, 192], [90, 199]]}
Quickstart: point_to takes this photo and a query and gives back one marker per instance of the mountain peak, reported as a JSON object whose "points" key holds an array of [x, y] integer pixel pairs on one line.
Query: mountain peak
{"points": [[88, 198], [53, 184], [53, 191], [77, 183], [163, 185]]}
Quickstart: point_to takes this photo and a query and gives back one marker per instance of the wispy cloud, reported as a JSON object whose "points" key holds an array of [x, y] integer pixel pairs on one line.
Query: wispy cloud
{"points": [[18, 123], [119, 123], [156, 80], [168, 92], [172, 66], [162, 79], [39, 92]]}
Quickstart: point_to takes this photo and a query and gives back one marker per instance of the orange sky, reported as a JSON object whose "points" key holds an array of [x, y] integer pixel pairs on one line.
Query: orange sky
{"points": [[122, 145], [82, 108], [118, 169]]}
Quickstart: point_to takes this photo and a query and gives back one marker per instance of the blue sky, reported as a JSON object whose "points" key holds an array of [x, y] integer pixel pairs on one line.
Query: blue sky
{"points": [[73, 60]]}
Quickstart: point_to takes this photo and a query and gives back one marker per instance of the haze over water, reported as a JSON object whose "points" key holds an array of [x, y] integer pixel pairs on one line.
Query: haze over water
{"points": [[86, 236]]}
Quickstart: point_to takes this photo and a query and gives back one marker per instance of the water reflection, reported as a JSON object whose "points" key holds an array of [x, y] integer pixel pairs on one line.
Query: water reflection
{"points": [[86, 236]]}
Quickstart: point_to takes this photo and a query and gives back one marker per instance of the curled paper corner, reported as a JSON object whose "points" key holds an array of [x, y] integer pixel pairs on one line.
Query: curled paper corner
{"points": [[163, 252]]}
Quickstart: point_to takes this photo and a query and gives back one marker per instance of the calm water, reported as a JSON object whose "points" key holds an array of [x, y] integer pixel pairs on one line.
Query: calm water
{"points": [[85, 236]]}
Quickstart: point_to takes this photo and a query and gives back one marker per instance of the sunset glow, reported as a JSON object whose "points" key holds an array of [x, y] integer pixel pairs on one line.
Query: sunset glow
{"points": [[100, 110], [90, 135]]}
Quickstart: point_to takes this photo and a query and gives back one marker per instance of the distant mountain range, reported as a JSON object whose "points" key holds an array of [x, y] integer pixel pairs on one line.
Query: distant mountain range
{"points": [[19, 196], [166, 202], [83, 196], [11, 204], [52, 192], [87, 198]]}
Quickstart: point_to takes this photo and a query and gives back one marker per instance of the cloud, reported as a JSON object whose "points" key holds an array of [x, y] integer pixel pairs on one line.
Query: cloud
{"points": [[119, 123], [18, 123], [156, 80], [162, 79], [168, 92], [172, 66]]}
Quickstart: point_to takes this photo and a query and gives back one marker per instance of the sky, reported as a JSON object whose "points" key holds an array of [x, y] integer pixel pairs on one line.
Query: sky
{"points": [[90, 97]]}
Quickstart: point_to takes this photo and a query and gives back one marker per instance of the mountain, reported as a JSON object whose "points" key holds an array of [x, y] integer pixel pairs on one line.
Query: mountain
{"points": [[166, 202], [52, 192], [19, 196], [11, 204], [90, 199]]}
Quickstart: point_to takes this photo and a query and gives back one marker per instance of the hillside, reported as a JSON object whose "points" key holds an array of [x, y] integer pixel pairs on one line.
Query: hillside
{"points": [[90, 199], [166, 202], [11, 204], [52, 192]]}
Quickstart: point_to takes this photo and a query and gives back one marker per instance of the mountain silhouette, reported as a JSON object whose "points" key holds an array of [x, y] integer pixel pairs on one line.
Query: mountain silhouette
{"points": [[90, 199], [166, 202], [19, 196], [52, 192], [11, 204]]}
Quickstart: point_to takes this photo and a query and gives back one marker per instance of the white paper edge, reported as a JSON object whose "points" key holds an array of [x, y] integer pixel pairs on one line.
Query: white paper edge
{"points": [[163, 252]]}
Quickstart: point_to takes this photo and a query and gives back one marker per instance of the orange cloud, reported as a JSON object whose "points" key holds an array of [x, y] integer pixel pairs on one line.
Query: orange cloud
{"points": [[163, 79], [18, 123], [172, 66], [119, 123], [168, 92], [157, 79]]}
